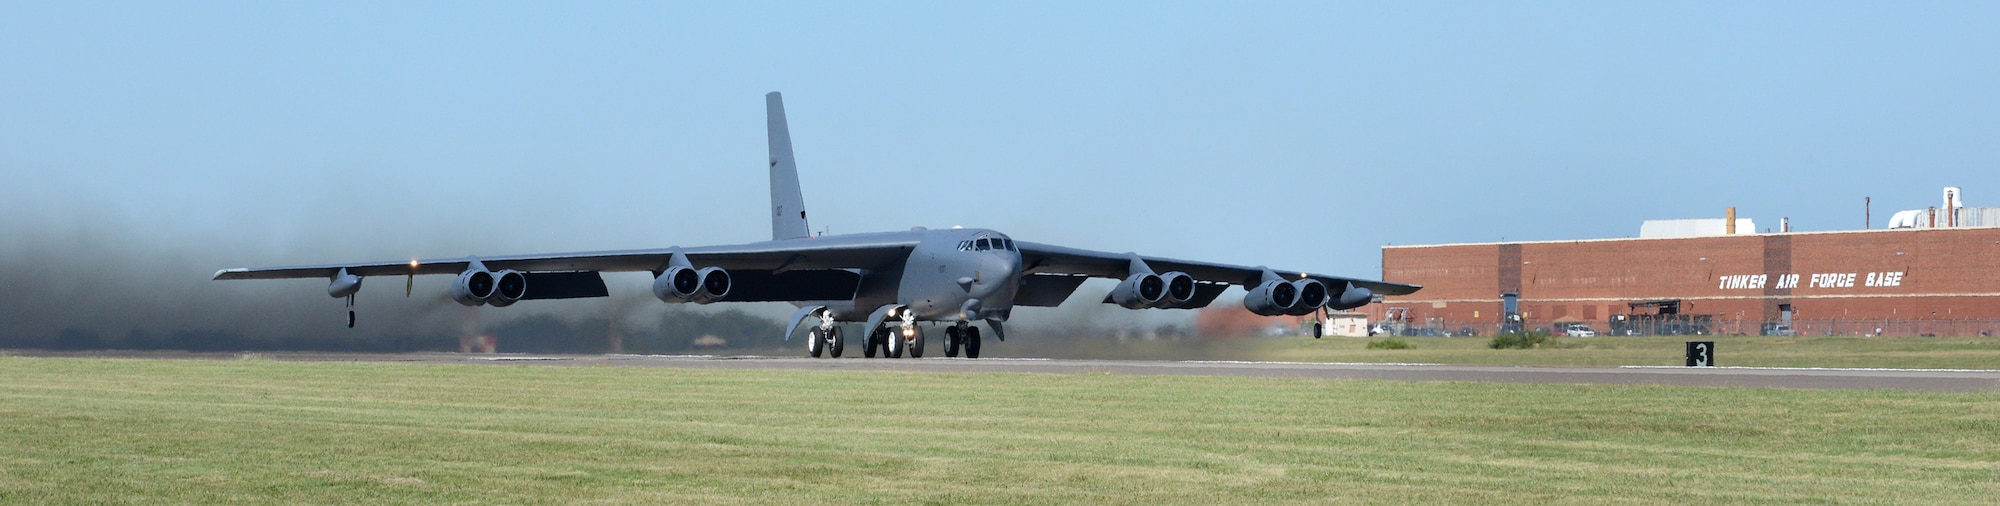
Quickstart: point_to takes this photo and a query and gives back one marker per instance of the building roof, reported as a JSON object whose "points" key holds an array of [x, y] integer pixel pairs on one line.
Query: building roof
{"points": [[1619, 239]]}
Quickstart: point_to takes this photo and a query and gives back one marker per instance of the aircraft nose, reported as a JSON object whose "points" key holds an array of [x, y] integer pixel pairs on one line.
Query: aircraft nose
{"points": [[1000, 273]]}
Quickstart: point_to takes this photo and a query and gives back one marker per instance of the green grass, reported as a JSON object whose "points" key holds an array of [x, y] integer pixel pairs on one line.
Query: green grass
{"points": [[1393, 343], [115, 431], [1883, 352]]}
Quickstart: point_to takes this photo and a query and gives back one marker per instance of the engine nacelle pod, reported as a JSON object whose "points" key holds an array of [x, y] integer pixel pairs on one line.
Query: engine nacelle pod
{"points": [[1312, 295], [1353, 297], [676, 285], [1180, 289], [473, 287], [1272, 298], [1140, 291], [508, 286], [714, 285]]}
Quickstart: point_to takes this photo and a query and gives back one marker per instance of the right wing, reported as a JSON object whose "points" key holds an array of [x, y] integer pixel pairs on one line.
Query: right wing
{"points": [[1054, 261]]}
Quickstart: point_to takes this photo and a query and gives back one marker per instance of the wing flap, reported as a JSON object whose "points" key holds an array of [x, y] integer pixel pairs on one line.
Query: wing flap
{"points": [[1205, 294], [565, 285], [1046, 290], [763, 286]]}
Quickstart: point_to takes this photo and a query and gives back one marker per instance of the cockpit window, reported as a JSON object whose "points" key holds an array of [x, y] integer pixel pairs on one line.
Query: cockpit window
{"points": [[983, 245], [1010, 244]]}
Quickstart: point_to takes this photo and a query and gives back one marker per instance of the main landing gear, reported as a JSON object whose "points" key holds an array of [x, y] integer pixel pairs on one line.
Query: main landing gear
{"points": [[895, 341], [826, 338], [829, 341], [891, 331], [961, 336]]}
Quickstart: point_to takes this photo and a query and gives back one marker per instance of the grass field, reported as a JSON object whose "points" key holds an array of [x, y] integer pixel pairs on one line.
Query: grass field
{"points": [[1884, 352], [112, 431]]}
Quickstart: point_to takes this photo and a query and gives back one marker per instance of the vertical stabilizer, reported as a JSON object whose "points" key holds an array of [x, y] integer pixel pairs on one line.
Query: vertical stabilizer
{"points": [[788, 204]]}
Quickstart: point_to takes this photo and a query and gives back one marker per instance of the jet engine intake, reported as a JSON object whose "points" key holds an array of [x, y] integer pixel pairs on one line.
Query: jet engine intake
{"points": [[688, 284], [1312, 295], [1180, 289], [1140, 291], [678, 284], [473, 287], [714, 285], [1272, 298], [508, 287]]}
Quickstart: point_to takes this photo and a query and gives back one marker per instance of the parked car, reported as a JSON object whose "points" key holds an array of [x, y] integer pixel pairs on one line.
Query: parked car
{"points": [[1781, 330], [1466, 332], [1581, 330]]}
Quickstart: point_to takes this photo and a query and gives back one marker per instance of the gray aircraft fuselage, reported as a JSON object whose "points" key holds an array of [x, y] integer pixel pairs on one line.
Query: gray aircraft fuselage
{"points": [[928, 281]]}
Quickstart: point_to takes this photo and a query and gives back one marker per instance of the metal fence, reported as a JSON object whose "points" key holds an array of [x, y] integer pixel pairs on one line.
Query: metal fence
{"points": [[1801, 327]]}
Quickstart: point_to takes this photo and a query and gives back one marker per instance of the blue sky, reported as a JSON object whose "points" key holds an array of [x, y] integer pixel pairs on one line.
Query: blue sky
{"points": [[1297, 135]]}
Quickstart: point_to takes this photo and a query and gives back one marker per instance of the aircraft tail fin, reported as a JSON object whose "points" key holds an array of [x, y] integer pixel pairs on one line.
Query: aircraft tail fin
{"points": [[788, 203]]}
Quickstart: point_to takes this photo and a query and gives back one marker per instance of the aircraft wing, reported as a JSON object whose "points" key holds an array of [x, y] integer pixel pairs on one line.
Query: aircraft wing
{"points": [[860, 251], [1049, 259]]}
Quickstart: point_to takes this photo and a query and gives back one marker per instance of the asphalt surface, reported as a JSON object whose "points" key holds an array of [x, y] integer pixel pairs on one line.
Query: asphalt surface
{"points": [[1891, 379]]}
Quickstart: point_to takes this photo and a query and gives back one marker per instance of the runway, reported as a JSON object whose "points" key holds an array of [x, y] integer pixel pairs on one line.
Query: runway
{"points": [[1919, 380], [1933, 380]]}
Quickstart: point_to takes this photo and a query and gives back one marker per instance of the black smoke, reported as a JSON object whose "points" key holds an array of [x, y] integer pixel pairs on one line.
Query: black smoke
{"points": [[79, 277]]}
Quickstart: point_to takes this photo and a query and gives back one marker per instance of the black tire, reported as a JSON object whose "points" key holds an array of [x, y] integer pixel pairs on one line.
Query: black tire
{"points": [[894, 346], [917, 344], [972, 342], [874, 340], [837, 341], [815, 342], [951, 341]]}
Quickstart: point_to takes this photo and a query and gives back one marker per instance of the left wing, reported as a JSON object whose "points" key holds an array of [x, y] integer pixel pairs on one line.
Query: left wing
{"points": [[858, 251], [794, 269], [1049, 259]]}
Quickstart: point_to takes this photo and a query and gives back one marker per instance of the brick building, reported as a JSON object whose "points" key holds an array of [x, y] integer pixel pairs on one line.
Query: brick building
{"points": [[1935, 281]]}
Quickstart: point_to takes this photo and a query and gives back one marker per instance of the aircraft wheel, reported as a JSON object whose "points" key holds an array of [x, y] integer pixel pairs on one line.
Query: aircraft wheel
{"points": [[836, 340], [815, 342], [895, 347], [972, 342], [874, 340], [917, 344], [951, 340]]}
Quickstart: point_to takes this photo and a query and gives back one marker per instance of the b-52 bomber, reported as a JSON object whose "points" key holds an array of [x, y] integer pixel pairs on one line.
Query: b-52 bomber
{"points": [[891, 282]]}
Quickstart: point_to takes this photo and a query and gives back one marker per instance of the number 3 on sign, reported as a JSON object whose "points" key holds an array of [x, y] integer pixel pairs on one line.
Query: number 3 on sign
{"points": [[1701, 353]]}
